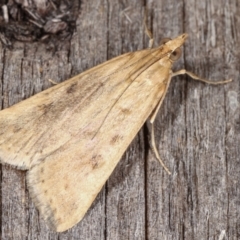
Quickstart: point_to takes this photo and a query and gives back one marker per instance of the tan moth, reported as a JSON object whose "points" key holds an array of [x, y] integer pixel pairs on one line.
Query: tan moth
{"points": [[70, 137]]}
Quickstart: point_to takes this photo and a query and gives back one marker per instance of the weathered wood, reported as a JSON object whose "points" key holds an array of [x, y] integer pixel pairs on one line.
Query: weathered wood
{"points": [[197, 128]]}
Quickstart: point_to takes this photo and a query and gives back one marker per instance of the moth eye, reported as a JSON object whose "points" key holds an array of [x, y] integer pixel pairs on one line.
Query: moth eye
{"points": [[175, 55], [165, 40]]}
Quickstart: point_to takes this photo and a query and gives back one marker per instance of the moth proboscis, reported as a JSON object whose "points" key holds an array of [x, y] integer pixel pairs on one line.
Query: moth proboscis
{"points": [[71, 136]]}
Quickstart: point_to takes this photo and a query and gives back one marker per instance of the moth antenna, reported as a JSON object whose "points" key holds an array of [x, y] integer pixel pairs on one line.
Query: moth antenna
{"points": [[148, 31], [52, 81]]}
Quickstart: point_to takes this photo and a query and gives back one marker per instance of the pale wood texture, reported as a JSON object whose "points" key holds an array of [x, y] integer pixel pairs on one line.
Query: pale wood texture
{"points": [[197, 127]]}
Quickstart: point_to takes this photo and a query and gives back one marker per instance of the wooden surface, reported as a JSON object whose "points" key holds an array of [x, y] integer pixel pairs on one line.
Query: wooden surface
{"points": [[197, 127]]}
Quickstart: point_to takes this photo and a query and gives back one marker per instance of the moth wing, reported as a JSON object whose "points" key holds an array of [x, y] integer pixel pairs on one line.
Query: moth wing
{"points": [[71, 145], [40, 125]]}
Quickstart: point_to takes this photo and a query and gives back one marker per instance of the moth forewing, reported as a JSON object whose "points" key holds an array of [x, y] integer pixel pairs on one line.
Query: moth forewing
{"points": [[88, 161], [71, 136]]}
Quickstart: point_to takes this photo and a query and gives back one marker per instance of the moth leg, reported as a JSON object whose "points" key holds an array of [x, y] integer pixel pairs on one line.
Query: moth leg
{"points": [[147, 31], [193, 76], [152, 119], [153, 142]]}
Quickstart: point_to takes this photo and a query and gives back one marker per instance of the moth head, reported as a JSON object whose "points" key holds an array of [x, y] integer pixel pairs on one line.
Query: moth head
{"points": [[174, 46], [176, 54]]}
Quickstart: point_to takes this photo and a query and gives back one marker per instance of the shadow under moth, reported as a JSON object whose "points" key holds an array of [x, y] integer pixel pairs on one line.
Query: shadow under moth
{"points": [[71, 136]]}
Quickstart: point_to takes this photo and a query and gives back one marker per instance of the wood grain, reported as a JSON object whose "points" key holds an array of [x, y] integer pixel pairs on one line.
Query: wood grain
{"points": [[197, 127]]}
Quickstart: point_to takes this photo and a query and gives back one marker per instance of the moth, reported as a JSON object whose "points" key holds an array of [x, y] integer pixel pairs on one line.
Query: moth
{"points": [[71, 136]]}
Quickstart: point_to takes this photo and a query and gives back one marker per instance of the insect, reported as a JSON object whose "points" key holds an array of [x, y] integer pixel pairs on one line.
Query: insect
{"points": [[70, 137]]}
